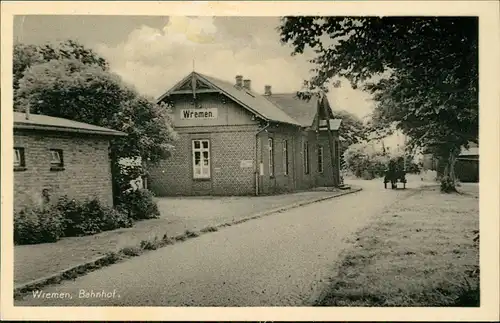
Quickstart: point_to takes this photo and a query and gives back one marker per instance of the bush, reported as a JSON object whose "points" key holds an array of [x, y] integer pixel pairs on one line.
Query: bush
{"points": [[151, 244], [89, 217], [139, 204], [66, 218], [365, 161], [37, 225], [413, 168], [131, 251], [209, 229]]}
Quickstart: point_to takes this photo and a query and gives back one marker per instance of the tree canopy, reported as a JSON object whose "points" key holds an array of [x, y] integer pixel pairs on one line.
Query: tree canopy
{"points": [[73, 82], [351, 128], [421, 71], [26, 55]]}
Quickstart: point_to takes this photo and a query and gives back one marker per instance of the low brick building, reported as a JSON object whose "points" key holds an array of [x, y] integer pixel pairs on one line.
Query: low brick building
{"points": [[55, 156], [234, 141]]}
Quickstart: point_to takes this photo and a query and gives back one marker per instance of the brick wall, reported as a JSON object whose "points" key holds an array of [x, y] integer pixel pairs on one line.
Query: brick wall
{"points": [[296, 179], [86, 173], [232, 138], [229, 145]]}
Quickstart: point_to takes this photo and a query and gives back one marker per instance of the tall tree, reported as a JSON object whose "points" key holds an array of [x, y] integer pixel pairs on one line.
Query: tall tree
{"points": [[26, 55], [351, 128], [422, 72], [88, 92]]}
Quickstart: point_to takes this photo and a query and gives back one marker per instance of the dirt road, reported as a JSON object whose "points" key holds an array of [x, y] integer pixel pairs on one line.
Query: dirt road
{"points": [[280, 260]]}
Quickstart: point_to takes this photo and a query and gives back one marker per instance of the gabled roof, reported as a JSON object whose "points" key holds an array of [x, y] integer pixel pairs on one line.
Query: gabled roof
{"points": [[301, 110], [250, 100], [43, 122]]}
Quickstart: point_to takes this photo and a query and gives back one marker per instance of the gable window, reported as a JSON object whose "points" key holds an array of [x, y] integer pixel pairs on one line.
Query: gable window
{"points": [[19, 161], [56, 159], [285, 157], [320, 159], [201, 158], [271, 156], [306, 157]]}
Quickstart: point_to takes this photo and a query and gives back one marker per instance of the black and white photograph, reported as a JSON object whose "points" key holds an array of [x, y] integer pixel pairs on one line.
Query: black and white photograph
{"points": [[237, 160]]}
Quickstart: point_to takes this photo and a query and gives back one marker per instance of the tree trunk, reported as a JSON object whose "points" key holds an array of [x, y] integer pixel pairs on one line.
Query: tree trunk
{"points": [[448, 179]]}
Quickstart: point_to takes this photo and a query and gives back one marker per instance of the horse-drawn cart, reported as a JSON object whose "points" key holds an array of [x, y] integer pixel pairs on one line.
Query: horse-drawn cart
{"points": [[394, 174]]}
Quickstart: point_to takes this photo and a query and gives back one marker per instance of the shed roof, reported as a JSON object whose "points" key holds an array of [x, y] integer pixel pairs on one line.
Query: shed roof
{"points": [[472, 151], [43, 122]]}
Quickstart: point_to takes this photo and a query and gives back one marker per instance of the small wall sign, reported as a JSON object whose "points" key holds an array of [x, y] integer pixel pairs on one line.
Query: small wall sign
{"points": [[199, 114], [246, 163]]}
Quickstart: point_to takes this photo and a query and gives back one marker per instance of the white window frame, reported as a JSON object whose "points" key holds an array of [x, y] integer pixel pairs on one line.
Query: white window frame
{"points": [[56, 158], [204, 170], [270, 144], [18, 158], [285, 157], [305, 152], [321, 164]]}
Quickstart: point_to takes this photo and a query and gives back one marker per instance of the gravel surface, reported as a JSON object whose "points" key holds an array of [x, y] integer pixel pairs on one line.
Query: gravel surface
{"points": [[282, 260], [178, 214]]}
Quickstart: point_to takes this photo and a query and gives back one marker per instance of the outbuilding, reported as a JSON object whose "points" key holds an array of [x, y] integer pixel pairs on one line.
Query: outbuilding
{"points": [[56, 156], [234, 141]]}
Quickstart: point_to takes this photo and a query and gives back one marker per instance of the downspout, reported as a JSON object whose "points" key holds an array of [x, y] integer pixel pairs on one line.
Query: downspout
{"points": [[257, 163]]}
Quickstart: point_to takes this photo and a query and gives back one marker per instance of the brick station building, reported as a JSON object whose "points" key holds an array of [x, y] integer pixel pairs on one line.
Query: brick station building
{"points": [[56, 156], [234, 141]]}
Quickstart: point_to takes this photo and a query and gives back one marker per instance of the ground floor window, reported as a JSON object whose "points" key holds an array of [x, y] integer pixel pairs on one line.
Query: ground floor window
{"points": [[306, 157], [320, 159], [19, 157], [201, 158], [56, 158]]}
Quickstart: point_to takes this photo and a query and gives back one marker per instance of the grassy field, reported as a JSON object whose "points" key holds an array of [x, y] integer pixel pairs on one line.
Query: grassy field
{"points": [[420, 252]]}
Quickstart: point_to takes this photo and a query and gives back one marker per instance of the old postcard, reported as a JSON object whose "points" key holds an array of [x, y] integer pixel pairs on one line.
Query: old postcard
{"points": [[250, 160]]}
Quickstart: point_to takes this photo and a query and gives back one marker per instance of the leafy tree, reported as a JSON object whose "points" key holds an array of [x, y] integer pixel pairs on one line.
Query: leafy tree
{"points": [[26, 55], [88, 92], [351, 128], [422, 72], [23, 57], [364, 160]]}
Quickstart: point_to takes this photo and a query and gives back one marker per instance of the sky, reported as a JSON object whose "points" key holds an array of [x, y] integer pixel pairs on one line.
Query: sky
{"points": [[155, 52]]}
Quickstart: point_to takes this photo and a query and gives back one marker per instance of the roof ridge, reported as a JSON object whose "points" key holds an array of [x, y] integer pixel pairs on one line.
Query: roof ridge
{"points": [[44, 120]]}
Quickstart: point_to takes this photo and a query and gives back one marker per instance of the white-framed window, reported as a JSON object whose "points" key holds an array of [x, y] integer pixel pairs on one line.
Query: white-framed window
{"points": [[19, 157], [320, 159], [306, 157], [285, 157], [270, 144], [56, 158], [201, 158]]}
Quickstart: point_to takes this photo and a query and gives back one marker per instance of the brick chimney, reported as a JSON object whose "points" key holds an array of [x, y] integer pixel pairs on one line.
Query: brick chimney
{"points": [[239, 81], [247, 84], [267, 90]]}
